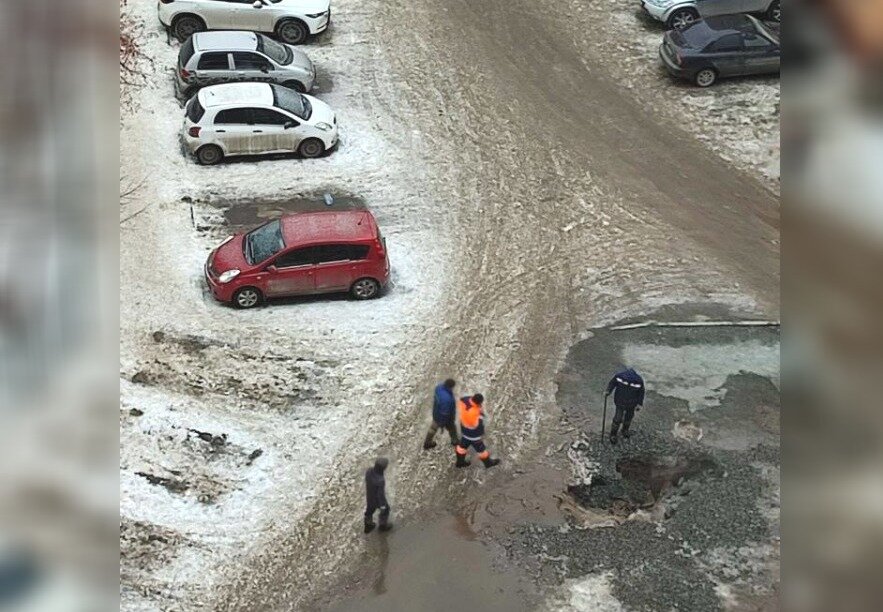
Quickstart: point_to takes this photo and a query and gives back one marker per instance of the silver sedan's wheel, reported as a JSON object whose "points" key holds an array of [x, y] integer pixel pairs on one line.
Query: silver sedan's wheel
{"points": [[365, 289], [311, 147], [247, 297], [681, 18], [705, 77], [292, 32]]}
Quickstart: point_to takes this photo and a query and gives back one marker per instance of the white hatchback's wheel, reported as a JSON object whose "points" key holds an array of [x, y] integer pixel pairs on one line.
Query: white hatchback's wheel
{"points": [[209, 155], [365, 289], [681, 18], [705, 77], [247, 297], [311, 147]]}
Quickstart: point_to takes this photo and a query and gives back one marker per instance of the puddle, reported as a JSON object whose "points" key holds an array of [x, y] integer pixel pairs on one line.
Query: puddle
{"points": [[693, 374], [243, 215], [434, 566], [697, 373], [324, 84]]}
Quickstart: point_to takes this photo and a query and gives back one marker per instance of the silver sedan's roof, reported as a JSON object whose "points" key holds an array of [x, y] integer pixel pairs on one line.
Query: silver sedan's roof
{"points": [[236, 94], [225, 41]]}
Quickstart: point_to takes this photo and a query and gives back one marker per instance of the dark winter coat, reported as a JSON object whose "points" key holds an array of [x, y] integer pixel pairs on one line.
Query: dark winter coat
{"points": [[627, 388], [444, 406], [375, 484]]}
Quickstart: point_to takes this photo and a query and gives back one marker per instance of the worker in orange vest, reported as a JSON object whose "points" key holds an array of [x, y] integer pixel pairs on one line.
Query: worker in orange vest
{"points": [[472, 431]]}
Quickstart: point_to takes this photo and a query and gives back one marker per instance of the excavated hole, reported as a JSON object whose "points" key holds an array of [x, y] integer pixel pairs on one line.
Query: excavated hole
{"points": [[643, 482], [659, 474]]}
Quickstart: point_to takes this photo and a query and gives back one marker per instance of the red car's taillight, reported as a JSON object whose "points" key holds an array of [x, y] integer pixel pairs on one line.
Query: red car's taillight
{"points": [[194, 131]]}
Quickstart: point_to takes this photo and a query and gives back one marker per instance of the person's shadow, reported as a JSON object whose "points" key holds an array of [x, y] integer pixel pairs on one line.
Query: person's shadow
{"points": [[379, 586]]}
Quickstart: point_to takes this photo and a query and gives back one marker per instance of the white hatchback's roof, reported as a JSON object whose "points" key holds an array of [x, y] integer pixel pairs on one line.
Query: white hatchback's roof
{"points": [[211, 41], [234, 94]]}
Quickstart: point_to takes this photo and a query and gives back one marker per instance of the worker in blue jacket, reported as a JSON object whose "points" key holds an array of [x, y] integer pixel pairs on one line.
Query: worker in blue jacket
{"points": [[444, 413], [628, 395]]}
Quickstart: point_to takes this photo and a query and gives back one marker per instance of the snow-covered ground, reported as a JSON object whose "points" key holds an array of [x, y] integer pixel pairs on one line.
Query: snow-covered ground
{"points": [[279, 389]]}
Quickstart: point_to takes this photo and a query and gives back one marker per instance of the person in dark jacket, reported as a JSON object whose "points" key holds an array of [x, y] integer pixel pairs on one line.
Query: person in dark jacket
{"points": [[375, 496], [444, 413], [628, 395]]}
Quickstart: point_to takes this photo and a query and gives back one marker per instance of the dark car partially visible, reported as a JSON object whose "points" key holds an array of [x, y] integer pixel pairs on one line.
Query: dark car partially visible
{"points": [[721, 46]]}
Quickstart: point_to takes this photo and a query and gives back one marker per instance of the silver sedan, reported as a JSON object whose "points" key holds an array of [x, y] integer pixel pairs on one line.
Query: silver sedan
{"points": [[211, 58]]}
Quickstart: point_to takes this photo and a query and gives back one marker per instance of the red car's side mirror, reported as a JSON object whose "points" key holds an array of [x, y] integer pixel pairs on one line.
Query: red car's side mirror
{"points": [[271, 268]]}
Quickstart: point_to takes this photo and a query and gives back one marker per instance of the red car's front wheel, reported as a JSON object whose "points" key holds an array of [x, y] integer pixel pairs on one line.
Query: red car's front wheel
{"points": [[247, 297]]}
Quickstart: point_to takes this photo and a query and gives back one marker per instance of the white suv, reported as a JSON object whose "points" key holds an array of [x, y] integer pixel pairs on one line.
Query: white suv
{"points": [[677, 14], [254, 119], [292, 21]]}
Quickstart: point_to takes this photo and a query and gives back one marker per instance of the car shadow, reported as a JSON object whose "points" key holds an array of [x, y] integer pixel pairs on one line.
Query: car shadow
{"points": [[300, 299]]}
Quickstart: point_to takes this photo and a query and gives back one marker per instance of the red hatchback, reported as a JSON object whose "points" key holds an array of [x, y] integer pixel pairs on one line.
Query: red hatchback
{"points": [[301, 254]]}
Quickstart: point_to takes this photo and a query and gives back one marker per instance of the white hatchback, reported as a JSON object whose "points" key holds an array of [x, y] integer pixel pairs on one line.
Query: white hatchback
{"points": [[255, 119], [292, 21]]}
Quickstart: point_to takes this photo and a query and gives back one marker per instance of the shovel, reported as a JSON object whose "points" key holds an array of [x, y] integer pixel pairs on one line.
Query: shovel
{"points": [[604, 418]]}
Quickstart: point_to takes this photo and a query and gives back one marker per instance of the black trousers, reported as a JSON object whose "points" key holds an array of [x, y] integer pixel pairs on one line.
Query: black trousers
{"points": [[384, 514], [624, 417], [448, 425]]}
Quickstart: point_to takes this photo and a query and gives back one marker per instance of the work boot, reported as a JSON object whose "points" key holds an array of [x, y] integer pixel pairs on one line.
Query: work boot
{"points": [[462, 461], [626, 433], [490, 462], [429, 440], [613, 430], [369, 526], [385, 525]]}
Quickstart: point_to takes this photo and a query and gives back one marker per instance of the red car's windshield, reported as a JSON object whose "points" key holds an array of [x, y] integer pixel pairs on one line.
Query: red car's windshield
{"points": [[264, 242]]}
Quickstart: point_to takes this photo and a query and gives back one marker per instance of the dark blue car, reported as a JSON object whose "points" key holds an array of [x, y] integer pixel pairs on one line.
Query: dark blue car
{"points": [[721, 46]]}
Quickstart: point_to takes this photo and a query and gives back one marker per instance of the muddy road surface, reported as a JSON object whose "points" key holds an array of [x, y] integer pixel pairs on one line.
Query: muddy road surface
{"points": [[526, 198], [566, 204]]}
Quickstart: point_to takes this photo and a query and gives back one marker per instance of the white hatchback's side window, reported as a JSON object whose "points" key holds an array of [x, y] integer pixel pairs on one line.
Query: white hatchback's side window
{"points": [[234, 116], [265, 116]]}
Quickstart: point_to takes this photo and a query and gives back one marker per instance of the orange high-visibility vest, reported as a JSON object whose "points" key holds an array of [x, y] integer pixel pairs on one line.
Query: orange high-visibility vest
{"points": [[471, 419]]}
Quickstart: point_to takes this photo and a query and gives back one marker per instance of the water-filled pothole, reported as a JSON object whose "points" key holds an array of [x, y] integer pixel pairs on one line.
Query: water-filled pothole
{"points": [[242, 215], [643, 481]]}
